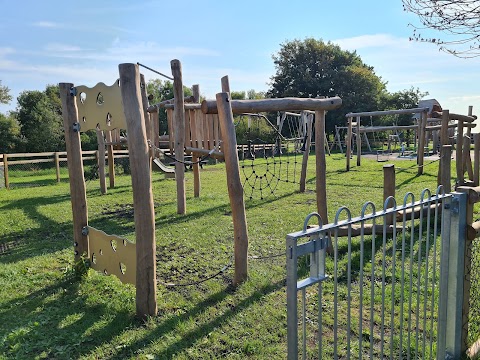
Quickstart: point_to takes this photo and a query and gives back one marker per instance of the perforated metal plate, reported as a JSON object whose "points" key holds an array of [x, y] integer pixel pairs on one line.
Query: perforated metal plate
{"points": [[100, 106], [113, 255]]}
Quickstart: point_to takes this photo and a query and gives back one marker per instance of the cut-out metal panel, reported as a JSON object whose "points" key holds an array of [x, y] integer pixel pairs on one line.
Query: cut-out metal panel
{"points": [[112, 255], [100, 107]]}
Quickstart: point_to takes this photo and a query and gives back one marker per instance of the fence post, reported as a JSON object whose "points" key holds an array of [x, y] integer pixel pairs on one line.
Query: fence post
{"points": [[57, 165], [451, 276], [389, 187], [5, 170], [292, 301]]}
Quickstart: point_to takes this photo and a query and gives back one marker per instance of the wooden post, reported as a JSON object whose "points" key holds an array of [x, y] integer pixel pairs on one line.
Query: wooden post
{"points": [[5, 171], [146, 116], [144, 215], [388, 187], [75, 171], [446, 168], [155, 127], [195, 142], [422, 123], [476, 158], [179, 133], [466, 159], [303, 176], [111, 160], [101, 161], [349, 143], [321, 165], [57, 166], [359, 141], [235, 190], [459, 152]]}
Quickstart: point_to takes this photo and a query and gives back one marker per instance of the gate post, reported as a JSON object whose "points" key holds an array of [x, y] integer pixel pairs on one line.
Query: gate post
{"points": [[451, 277]]}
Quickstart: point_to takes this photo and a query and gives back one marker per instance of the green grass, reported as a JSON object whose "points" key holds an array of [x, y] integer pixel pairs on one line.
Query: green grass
{"points": [[45, 312]]}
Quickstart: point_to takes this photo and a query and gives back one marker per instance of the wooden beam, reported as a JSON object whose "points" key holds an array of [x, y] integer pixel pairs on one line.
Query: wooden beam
{"points": [[144, 214], [388, 187], [78, 193], [280, 104], [303, 176], [453, 116], [388, 112], [179, 134], [321, 165], [235, 190], [101, 161]]}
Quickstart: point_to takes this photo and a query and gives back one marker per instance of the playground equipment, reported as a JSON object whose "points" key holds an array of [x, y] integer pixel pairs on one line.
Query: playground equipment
{"points": [[124, 106]]}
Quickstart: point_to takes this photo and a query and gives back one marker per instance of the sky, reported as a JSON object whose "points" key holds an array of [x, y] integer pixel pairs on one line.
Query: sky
{"points": [[82, 42]]}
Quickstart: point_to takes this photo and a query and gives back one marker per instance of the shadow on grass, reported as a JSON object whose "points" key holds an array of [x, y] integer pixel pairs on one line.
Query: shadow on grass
{"points": [[56, 321]]}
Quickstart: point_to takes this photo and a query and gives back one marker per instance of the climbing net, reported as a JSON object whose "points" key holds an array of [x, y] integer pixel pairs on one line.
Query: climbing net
{"points": [[269, 154]]}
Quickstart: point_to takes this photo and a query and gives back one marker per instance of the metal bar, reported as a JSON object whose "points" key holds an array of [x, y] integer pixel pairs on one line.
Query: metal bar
{"points": [[392, 309], [388, 112], [425, 291], [382, 312], [349, 289], [409, 332], [304, 323], [434, 276], [335, 297], [320, 327], [417, 304], [292, 302], [372, 294]]}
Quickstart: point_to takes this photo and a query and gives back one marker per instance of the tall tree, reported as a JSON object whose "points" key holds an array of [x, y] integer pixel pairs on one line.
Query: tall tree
{"points": [[39, 116], [404, 99], [5, 96], [161, 91], [9, 134], [312, 68], [458, 22]]}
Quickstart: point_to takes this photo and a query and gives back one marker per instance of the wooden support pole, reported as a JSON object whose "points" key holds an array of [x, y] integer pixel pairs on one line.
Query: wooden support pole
{"points": [[195, 142], [388, 187], [278, 104], [179, 134], [146, 116], [78, 193], [155, 127], [5, 171], [144, 214], [359, 141], [303, 176], [446, 168], [321, 165], [466, 158], [57, 166], [101, 161], [225, 84], [235, 190], [476, 158], [111, 160], [422, 122], [459, 153], [349, 143]]}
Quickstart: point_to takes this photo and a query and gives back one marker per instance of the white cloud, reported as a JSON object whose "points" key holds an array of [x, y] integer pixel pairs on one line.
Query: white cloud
{"points": [[47, 24], [370, 41], [56, 47]]}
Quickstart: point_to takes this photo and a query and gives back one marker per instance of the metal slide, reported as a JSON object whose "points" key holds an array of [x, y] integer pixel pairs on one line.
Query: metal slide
{"points": [[162, 167]]}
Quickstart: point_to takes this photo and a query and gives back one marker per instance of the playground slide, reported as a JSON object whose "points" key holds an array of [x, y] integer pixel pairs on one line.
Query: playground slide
{"points": [[162, 167]]}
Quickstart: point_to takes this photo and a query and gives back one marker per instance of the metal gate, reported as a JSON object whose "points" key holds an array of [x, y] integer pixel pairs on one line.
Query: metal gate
{"points": [[386, 284]]}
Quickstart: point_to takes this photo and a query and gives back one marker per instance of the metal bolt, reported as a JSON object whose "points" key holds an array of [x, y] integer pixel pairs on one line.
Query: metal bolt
{"points": [[76, 127], [85, 231], [73, 91], [75, 244], [75, 252]]}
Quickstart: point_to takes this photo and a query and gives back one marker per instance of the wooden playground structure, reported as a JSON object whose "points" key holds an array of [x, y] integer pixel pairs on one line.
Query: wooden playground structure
{"points": [[124, 105]]}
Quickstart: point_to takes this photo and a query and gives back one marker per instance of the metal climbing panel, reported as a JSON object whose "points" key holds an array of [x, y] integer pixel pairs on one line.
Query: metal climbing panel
{"points": [[112, 255]]}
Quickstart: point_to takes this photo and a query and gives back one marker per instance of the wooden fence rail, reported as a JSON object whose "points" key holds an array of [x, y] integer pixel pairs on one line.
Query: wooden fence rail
{"points": [[7, 160]]}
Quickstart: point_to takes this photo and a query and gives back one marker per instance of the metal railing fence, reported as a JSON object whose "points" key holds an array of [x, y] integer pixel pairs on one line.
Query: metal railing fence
{"points": [[390, 287]]}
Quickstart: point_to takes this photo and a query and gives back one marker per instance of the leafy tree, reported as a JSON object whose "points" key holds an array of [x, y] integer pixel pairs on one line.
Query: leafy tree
{"points": [[5, 97], [457, 19], [254, 95], [9, 134], [312, 68], [238, 95], [405, 99], [158, 91], [39, 116]]}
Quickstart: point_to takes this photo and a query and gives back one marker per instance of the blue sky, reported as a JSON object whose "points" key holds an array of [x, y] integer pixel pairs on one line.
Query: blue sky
{"points": [[46, 42]]}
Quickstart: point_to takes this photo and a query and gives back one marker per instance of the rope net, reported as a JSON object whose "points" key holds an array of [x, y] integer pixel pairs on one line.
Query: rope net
{"points": [[269, 154]]}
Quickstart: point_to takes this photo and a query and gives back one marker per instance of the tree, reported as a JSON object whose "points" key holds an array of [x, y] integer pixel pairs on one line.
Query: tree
{"points": [[9, 134], [39, 116], [405, 99], [312, 68], [457, 19], [161, 91], [5, 97]]}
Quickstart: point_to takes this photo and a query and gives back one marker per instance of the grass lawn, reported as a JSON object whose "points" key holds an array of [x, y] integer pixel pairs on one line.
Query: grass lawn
{"points": [[46, 313]]}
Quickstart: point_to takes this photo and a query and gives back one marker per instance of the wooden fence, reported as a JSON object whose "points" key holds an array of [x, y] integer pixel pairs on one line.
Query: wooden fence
{"points": [[9, 160]]}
